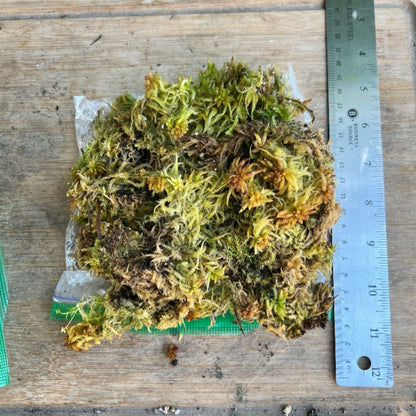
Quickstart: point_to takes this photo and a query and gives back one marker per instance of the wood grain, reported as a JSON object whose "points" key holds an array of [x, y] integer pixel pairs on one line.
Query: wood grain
{"points": [[28, 9], [44, 63], [57, 9]]}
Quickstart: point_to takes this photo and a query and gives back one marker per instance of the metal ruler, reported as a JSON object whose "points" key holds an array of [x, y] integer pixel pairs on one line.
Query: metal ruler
{"points": [[363, 352], [4, 367]]}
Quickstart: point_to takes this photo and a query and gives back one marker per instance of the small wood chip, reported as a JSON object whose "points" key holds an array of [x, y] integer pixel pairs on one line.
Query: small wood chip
{"points": [[287, 410]]}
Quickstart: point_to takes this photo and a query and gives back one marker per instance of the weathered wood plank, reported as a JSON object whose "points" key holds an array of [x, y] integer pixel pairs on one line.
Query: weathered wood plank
{"points": [[33, 9], [18, 9], [44, 63]]}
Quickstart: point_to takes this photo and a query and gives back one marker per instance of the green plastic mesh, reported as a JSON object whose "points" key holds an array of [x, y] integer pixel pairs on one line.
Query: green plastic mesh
{"points": [[4, 367], [224, 325]]}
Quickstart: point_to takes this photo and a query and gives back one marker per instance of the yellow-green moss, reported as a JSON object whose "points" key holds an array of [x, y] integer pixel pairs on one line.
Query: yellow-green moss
{"points": [[201, 197]]}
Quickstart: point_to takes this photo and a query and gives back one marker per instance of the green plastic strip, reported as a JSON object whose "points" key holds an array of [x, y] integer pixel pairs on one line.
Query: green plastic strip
{"points": [[224, 325], [4, 367]]}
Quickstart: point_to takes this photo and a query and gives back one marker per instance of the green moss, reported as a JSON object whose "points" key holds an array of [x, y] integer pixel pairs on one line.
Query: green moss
{"points": [[202, 197]]}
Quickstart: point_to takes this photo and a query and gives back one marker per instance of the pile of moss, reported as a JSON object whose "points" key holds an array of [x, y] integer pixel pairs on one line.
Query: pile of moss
{"points": [[204, 196]]}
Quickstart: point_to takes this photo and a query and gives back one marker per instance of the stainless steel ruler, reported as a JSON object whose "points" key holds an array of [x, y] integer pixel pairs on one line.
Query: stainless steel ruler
{"points": [[363, 351]]}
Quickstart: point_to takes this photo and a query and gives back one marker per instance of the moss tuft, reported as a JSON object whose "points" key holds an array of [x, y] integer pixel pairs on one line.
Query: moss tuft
{"points": [[201, 197]]}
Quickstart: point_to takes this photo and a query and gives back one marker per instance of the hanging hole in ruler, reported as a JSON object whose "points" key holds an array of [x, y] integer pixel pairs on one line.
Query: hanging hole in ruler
{"points": [[364, 363]]}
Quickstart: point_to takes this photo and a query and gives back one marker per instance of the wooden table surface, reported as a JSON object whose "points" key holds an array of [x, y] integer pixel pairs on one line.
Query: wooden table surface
{"points": [[53, 50]]}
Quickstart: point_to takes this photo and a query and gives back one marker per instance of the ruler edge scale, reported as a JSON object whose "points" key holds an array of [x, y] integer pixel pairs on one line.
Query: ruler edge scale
{"points": [[333, 115]]}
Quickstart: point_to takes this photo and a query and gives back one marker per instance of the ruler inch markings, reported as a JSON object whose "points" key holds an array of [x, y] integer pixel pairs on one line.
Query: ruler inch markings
{"points": [[363, 351]]}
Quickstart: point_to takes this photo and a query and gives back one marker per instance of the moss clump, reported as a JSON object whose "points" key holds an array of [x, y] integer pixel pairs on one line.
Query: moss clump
{"points": [[201, 197]]}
